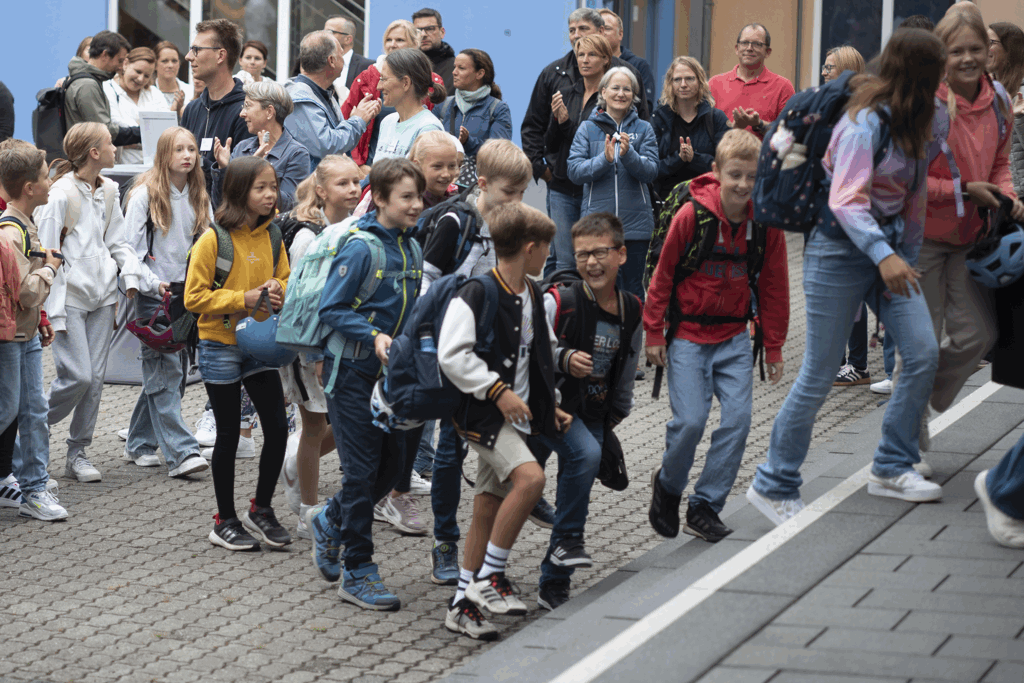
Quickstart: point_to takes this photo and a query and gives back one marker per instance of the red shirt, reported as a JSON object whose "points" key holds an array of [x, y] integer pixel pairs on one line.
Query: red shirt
{"points": [[767, 94]]}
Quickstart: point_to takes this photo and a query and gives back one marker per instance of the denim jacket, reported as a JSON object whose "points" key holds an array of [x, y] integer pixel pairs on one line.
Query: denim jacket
{"points": [[477, 121]]}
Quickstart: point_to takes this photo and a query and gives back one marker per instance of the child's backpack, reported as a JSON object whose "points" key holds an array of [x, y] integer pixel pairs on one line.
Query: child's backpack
{"points": [[415, 387], [290, 226], [10, 292], [793, 198], [457, 208], [26, 241], [664, 211], [49, 122]]}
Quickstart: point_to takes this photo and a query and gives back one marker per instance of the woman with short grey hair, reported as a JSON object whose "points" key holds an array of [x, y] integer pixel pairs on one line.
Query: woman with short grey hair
{"points": [[267, 105]]}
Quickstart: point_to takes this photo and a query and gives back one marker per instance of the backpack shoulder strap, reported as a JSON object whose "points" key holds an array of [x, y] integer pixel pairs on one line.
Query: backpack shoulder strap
{"points": [[756, 245], [74, 207], [567, 299], [149, 234], [492, 109], [110, 197], [1001, 100], [703, 244], [225, 255], [276, 238], [378, 262], [26, 245], [449, 105], [485, 322], [940, 132]]}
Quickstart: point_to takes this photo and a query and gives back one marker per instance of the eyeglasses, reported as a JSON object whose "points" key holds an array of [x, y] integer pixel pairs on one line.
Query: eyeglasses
{"points": [[194, 49], [338, 33], [429, 29], [828, 68], [750, 43], [601, 253], [620, 88]]}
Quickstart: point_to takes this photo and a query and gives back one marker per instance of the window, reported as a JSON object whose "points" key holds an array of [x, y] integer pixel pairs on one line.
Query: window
{"points": [[310, 15], [851, 22], [933, 9], [257, 19], [146, 23]]}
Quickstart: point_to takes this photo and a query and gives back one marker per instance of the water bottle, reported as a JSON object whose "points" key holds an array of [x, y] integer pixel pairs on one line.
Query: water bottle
{"points": [[797, 155]]}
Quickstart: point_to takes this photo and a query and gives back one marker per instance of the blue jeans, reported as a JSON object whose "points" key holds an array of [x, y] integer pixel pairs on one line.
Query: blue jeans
{"points": [[837, 277], [22, 396], [858, 356], [372, 461], [564, 210], [446, 484], [156, 421], [696, 372], [631, 275], [889, 353], [425, 452], [222, 363], [579, 456], [1005, 482]]}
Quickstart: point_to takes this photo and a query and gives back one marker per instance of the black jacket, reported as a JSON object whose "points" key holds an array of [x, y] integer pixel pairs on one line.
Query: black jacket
{"points": [[559, 136], [1006, 357], [6, 113], [669, 127], [559, 74], [443, 59], [215, 119], [356, 66], [646, 74]]}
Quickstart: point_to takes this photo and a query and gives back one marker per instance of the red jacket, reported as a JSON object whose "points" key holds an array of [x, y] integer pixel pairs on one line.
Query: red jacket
{"points": [[720, 287], [366, 83]]}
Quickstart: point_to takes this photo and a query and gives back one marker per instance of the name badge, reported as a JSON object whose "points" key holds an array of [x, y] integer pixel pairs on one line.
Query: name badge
{"points": [[206, 145]]}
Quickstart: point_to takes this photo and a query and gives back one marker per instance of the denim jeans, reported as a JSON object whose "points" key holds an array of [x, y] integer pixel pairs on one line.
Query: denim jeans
{"points": [[837, 277], [156, 421], [446, 484], [631, 275], [579, 456], [22, 397], [372, 461], [696, 373], [889, 353], [1005, 482], [564, 210], [425, 451], [858, 343]]}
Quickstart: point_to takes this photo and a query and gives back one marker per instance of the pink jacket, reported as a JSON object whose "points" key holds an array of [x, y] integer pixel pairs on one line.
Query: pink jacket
{"points": [[981, 155]]}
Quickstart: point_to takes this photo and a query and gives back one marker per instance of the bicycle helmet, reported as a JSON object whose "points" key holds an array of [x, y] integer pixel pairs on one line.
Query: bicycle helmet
{"points": [[259, 339], [157, 332], [997, 260], [384, 417]]}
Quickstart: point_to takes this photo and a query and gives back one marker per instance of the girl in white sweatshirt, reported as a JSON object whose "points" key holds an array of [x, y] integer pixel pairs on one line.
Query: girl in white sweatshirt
{"points": [[167, 211], [83, 221]]}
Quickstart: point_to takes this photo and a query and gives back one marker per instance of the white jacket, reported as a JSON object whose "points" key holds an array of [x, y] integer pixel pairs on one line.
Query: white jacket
{"points": [[93, 249], [124, 112]]}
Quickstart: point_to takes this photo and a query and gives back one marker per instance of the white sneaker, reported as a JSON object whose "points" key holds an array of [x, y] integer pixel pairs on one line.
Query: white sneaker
{"points": [[419, 486], [206, 429], [289, 477], [10, 492], [924, 469], [378, 510], [81, 469], [41, 505], [1006, 530], [302, 528], [123, 434], [403, 513], [52, 486], [909, 486], [496, 594], [147, 460], [778, 511], [883, 387], [246, 447], [190, 465]]}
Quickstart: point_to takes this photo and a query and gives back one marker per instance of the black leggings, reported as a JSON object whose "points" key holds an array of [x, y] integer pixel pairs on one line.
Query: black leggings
{"points": [[264, 389], [7, 449]]}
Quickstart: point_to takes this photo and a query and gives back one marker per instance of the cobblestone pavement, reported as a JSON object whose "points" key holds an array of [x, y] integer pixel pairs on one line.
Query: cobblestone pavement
{"points": [[129, 588]]}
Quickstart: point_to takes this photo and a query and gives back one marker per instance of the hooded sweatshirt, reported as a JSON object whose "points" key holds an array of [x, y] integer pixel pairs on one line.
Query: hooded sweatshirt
{"points": [[981, 154], [443, 59], [167, 261], [85, 99], [207, 118], [719, 288]]}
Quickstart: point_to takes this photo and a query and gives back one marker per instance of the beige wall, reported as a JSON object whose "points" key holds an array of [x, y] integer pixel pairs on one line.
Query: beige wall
{"points": [[1002, 10]]}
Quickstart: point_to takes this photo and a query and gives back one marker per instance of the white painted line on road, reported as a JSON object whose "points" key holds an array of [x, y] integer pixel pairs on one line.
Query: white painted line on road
{"points": [[633, 638]]}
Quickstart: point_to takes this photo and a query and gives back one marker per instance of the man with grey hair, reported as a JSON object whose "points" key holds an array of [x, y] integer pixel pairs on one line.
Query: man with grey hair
{"points": [[564, 196], [316, 123], [344, 29], [613, 32]]}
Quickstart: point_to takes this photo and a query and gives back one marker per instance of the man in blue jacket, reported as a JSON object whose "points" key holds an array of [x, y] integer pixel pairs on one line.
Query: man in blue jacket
{"points": [[363, 324], [316, 122]]}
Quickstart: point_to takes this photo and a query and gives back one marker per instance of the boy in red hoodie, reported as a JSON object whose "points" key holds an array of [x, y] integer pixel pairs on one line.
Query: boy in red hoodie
{"points": [[710, 353]]}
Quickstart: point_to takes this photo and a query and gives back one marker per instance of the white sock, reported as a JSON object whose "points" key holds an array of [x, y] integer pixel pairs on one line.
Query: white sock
{"points": [[465, 576], [494, 560]]}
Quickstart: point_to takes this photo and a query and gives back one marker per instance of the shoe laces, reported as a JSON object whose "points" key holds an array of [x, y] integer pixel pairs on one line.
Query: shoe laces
{"points": [[504, 586], [376, 585], [472, 611]]}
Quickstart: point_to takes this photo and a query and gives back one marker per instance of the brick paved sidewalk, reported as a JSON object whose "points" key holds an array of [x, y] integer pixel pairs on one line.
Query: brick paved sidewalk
{"points": [[129, 589]]}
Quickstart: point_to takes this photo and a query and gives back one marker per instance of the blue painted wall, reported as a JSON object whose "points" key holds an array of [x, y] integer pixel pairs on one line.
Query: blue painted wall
{"points": [[40, 38]]}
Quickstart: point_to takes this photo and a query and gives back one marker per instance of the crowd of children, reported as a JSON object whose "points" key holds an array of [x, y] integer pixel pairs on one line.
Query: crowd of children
{"points": [[542, 367]]}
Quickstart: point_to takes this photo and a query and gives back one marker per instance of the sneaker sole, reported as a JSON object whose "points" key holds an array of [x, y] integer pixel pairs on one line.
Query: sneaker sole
{"points": [[181, 472], [577, 564], [455, 627], [480, 602], [348, 597], [405, 530], [694, 531], [217, 540], [759, 504], [32, 514], [858, 383], [258, 533], [882, 393], [83, 478], [207, 443], [918, 497], [14, 502], [540, 522], [323, 575], [302, 533]]}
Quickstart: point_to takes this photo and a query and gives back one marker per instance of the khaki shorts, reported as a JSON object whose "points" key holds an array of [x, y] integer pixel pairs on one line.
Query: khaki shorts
{"points": [[494, 467]]}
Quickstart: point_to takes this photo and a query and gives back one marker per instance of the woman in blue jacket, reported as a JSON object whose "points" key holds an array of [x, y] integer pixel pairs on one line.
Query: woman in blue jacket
{"points": [[687, 124], [615, 156], [475, 113]]}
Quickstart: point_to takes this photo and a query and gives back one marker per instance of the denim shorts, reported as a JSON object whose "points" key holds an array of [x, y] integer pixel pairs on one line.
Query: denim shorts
{"points": [[226, 364]]}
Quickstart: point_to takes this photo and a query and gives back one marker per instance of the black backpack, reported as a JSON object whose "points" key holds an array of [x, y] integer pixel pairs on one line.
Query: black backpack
{"points": [[289, 226], [49, 120], [465, 213]]}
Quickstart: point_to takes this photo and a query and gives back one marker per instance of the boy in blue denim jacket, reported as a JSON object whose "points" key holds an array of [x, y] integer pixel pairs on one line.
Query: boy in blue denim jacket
{"points": [[372, 460]]}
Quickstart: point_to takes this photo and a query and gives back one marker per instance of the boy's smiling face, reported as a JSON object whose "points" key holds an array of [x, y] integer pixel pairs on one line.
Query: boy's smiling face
{"points": [[736, 177], [599, 273]]}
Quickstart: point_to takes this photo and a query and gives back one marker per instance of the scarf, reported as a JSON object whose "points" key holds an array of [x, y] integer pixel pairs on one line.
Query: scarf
{"points": [[467, 99]]}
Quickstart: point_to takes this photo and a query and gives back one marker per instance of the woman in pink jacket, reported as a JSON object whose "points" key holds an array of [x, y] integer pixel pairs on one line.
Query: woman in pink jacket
{"points": [[980, 143]]}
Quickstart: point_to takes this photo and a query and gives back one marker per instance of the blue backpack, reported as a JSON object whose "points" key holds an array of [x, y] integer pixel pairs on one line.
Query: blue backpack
{"points": [[794, 199], [415, 387]]}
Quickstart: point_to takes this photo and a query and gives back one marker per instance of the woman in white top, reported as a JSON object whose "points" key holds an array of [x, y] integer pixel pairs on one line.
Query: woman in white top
{"points": [[253, 60], [176, 92], [405, 79], [131, 92]]}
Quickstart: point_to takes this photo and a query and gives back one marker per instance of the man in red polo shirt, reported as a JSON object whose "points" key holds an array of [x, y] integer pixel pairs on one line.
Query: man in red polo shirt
{"points": [[751, 95]]}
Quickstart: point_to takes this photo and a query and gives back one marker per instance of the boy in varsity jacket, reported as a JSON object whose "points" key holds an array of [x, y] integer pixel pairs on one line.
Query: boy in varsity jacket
{"points": [[710, 353]]}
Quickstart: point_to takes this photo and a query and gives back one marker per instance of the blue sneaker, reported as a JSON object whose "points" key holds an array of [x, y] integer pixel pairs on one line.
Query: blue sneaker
{"points": [[364, 588], [444, 562], [326, 544], [543, 514]]}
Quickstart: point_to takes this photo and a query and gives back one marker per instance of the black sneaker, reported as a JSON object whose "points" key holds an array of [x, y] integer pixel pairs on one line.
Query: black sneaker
{"points": [[553, 595], [850, 376], [543, 514], [702, 522], [664, 512], [570, 553], [263, 523], [230, 534]]}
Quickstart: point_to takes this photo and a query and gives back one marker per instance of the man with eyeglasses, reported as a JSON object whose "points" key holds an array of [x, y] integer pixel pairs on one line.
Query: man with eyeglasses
{"points": [[441, 54], [214, 115], [344, 31], [751, 95]]}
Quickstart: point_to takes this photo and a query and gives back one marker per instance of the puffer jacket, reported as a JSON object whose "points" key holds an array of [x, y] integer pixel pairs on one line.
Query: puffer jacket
{"points": [[619, 186], [1017, 153], [672, 170]]}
